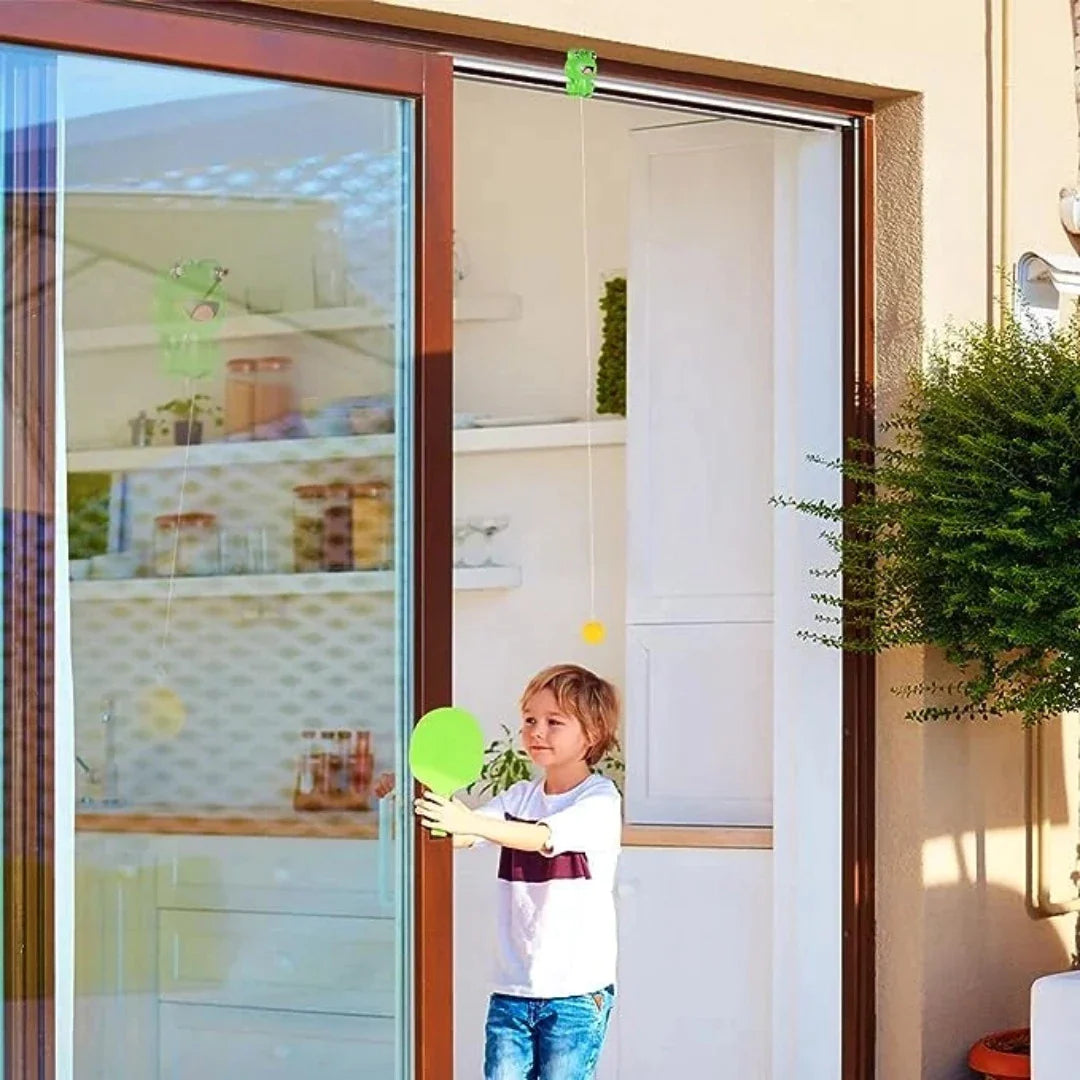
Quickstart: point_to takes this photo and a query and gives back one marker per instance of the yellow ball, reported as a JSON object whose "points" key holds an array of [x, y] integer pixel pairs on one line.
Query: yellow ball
{"points": [[162, 713], [593, 632]]}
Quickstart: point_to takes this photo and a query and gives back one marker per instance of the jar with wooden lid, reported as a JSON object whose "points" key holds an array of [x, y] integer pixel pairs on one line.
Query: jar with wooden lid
{"points": [[337, 528], [274, 407], [239, 399], [372, 525], [309, 504], [185, 544]]}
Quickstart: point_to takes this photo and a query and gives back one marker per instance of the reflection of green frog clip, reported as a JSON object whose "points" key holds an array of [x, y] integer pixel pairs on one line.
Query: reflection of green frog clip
{"points": [[580, 72], [188, 317]]}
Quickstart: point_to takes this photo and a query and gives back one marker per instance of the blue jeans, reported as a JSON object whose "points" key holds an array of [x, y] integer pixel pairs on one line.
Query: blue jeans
{"points": [[546, 1038]]}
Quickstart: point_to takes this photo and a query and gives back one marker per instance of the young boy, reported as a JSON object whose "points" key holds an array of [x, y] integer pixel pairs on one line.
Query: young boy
{"points": [[561, 835]]}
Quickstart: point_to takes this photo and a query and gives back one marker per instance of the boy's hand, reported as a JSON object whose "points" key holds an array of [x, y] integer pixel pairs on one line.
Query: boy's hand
{"points": [[384, 785], [449, 815]]}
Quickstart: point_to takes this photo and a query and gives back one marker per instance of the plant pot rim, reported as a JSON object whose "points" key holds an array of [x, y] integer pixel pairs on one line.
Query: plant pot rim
{"points": [[986, 1059]]}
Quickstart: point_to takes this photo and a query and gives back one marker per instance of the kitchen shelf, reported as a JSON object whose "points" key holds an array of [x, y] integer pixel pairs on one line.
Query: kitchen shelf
{"points": [[248, 585], [341, 448], [491, 307], [218, 454], [482, 440]]}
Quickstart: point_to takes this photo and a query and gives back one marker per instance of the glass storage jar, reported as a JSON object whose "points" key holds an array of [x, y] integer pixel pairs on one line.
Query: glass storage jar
{"points": [[309, 502], [191, 539], [372, 525], [274, 405], [337, 528], [239, 399]]}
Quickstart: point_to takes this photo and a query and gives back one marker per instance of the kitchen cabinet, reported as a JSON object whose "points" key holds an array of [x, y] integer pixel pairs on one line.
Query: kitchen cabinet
{"points": [[115, 1027], [223, 1044], [302, 963], [699, 476], [211, 955], [700, 747], [695, 975], [279, 875]]}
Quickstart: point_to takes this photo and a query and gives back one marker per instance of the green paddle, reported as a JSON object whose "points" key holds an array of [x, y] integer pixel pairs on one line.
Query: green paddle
{"points": [[446, 751]]}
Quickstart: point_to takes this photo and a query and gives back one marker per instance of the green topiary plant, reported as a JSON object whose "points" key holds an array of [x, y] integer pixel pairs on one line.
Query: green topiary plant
{"points": [[611, 370], [966, 533]]}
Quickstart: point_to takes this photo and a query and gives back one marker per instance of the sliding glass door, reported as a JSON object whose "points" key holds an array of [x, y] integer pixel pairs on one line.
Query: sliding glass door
{"points": [[226, 438]]}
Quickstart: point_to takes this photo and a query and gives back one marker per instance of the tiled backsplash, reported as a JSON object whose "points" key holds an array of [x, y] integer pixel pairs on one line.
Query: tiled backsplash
{"points": [[252, 673]]}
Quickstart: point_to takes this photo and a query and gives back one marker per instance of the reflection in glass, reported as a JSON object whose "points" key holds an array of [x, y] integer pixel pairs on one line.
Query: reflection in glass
{"points": [[236, 260]]}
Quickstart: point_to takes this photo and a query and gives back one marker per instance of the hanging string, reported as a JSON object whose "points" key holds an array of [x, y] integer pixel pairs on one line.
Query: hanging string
{"points": [[588, 361], [160, 667]]}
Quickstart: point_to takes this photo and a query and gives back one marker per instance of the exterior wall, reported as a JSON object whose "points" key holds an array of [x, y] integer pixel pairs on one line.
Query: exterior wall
{"points": [[957, 951]]}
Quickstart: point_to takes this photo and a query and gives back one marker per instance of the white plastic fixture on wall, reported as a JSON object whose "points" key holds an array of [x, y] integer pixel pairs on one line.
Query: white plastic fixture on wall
{"points": [[1041, 281]]}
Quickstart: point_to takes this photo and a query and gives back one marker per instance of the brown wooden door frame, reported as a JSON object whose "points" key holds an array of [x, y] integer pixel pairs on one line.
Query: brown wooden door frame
{"points": [[302, 54]]}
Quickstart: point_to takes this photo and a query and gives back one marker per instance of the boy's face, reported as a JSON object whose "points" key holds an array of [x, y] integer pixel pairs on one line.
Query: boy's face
{"points": [[550, 737]]}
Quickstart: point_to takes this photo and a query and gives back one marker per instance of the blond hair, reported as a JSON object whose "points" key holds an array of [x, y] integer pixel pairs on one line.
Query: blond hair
{"points": [[590, 700]]}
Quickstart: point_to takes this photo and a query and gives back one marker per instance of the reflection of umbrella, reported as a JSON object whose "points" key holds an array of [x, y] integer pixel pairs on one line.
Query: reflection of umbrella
{"points": [[186, 317]]}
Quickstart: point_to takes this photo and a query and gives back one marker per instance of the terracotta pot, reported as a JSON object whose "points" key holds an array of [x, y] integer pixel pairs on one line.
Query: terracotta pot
{"points": [[1002, 1055]]}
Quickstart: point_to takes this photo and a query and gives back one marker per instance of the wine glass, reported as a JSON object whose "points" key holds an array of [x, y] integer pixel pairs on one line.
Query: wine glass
{"points": [[462, 530], [489, 528]]}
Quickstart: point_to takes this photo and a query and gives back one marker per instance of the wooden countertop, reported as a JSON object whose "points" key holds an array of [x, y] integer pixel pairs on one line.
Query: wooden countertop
{"points": [[228, 821], [283, 821]]}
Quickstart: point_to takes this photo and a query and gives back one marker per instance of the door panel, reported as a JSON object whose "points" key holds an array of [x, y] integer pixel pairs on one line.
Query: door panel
{"points": [[245, 287]]}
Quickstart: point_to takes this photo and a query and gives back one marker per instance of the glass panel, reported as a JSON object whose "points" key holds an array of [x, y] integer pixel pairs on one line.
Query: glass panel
{"points": [[235, 311]]}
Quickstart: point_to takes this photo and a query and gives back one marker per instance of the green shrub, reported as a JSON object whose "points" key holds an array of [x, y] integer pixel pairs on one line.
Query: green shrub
{"points": [[965, 532]]}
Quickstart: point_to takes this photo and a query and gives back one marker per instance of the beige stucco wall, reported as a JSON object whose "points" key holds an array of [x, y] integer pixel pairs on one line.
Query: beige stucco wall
{"points": [[957, 951]]}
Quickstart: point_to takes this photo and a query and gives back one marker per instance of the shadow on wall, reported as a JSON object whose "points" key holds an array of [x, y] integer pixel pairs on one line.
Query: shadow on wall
{"points": [[983, 980], [981, 949]]}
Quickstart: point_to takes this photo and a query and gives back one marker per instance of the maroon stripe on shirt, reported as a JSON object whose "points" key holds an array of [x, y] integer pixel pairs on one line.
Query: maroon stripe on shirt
{"points": [[532, 867]]}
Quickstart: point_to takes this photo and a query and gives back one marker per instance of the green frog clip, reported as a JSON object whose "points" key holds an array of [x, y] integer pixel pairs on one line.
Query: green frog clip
{"points": [[188, 316], [580, 72]]}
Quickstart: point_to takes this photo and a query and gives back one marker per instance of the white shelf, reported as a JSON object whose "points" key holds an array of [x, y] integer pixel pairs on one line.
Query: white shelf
{"points": [[219, 454], [243, 585], [481, 308], [483, 440], [341, 448]]}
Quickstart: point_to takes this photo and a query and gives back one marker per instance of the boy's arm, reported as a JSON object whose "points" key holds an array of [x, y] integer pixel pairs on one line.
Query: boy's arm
{"points": [[592, 824], [451, 816], [521, 835]]}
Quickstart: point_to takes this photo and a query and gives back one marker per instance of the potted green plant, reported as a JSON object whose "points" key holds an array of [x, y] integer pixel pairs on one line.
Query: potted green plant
{"points": [[963, 535], [505, 764], [188, 415]]}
